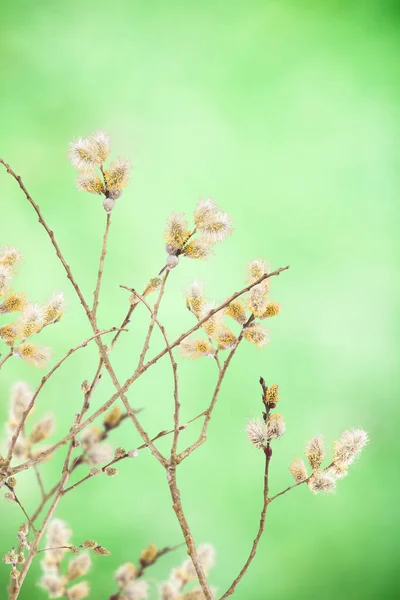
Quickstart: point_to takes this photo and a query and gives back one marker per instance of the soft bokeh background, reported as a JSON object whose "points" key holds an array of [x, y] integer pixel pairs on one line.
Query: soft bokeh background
{"points": [[287, 114]]}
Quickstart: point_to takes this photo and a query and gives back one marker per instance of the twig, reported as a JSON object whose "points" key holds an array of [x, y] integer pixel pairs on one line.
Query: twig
{"points": [[17, 501], [154, 313], [96, 293], [187, 534], [291, 487], [5, 359], [203, 434], [253, 551], [172, 359], [39, 480]]}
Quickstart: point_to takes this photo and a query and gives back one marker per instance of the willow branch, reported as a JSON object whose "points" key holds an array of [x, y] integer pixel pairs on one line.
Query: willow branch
{"points": [[5, 359], [187, 534], [173, 363], [96, 293], [222, 372], [154, 314], [17, 501], [260, 531]]}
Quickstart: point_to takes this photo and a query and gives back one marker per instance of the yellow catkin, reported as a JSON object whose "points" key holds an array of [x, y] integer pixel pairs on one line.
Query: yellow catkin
{"points": [[113, 417], [202, 346], [212, 324], [271, 310], [117, 176], [177, 230], [153, 285], [298, 470], [272, 394], [9, 257], [236, 310], [225, 338], [15, 302], [197, 249], [92, 183], [256, 335], [149, 554], [257, 268], [315, 452], [9, 333], [27, 350], [196, 304]]}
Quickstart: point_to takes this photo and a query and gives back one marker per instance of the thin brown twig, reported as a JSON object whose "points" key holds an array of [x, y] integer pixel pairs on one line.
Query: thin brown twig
{"points": [[260, 531], [172, 359], [5, 359], [96, 293], [154, 314], [17, 501], [39, 480], [187, 534], [203, 434]]}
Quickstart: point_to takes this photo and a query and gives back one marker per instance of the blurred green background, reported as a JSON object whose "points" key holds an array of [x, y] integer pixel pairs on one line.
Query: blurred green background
{"points": [[287, 113]]}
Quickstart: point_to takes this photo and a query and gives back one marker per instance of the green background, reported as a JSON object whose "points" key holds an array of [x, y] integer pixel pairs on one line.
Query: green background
{"points": [[287, 114]]}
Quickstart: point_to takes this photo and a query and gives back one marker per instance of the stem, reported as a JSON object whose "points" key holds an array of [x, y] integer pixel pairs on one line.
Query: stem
{"points": [[191, 547], [222, 372], [173, 363], [152, 322], [5, 359], [261, 526], [96, 293]]}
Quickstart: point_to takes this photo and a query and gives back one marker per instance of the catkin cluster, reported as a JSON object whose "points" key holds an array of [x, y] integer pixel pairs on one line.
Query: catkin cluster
{"points": [[21, 318], [217, 328], [88, 156], [244, 312]]}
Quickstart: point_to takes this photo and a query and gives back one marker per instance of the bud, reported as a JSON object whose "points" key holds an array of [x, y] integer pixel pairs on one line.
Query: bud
{"points": [[101, 551], [113, 417], [148, 555], [172, 261], [23, 530], [42, 429], [119, 453], [108, 204], [125, 574], [111, 472], [272, 395], [85, 386], [89, 544]]}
